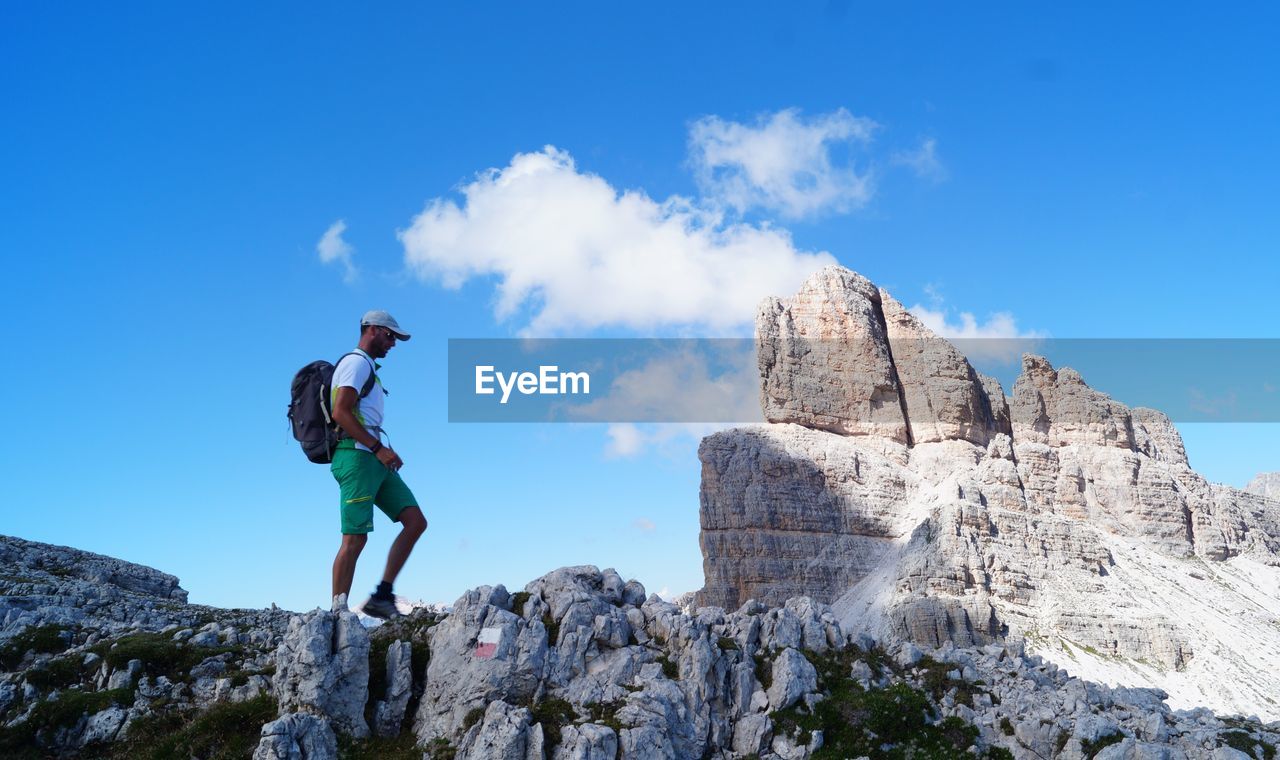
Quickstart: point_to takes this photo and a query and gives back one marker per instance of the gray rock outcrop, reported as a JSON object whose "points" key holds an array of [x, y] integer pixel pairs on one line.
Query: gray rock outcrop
{"points": [[322, 668], [297, 736]]}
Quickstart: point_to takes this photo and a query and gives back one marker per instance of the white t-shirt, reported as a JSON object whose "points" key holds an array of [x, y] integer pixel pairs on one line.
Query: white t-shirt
{"points": [[353, 372]]}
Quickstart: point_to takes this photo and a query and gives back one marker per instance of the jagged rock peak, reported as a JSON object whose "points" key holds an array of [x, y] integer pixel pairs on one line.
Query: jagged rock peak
{"points": [[844, 356], [1266, 485]]}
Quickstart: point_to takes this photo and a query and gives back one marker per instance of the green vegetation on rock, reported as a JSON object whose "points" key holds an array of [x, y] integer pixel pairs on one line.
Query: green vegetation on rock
{"points": [[553, 714], [225, 731], [1245, 742], [1089, 749], [51, 715], [43, 639], [56, 674], [893, 722], [159, 653], [402, 747]]}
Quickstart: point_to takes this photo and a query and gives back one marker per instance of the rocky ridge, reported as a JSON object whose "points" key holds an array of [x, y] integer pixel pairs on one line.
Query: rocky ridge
{"points": [[922, 502], [580, 664]]}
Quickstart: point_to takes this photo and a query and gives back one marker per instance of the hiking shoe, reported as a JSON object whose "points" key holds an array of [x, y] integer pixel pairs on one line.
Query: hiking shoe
{"points": [[339, 603], [384, 609]]}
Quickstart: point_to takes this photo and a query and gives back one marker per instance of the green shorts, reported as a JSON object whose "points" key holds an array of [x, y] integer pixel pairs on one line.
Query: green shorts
{"points": [[365, 483]]}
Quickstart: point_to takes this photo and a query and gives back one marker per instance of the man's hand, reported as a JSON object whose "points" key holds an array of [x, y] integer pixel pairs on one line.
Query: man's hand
{"points": [[390, 458]]}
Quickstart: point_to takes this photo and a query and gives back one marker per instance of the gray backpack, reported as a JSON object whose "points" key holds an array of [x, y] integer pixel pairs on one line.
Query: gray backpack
{"points": [[311, 412]]}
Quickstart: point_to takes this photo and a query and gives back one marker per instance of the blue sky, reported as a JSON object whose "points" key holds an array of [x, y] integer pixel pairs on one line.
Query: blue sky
{"points": [[1090, 171]]}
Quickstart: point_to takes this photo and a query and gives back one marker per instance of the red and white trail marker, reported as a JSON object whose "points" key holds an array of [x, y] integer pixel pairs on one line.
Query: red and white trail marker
{"points": [[487, 644]]}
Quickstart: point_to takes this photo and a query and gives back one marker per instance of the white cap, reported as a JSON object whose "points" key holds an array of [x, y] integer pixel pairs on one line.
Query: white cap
{"points": [[382, 319]]}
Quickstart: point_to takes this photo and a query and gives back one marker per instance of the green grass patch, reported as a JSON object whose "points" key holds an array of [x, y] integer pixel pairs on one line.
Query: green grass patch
{"points": [[764, 671], [402, 747], [56, 674], [159, 653], [553, 629], [43, 639], [876, 658], [63, 712], [606, 714], [855, 722], [1094, 747], [553, 714], [441, 748], [937, 683], [1006, 726], [1245, 742], [473, 717], [517, 601], [727, 644], [225, 731], [669, 668]]}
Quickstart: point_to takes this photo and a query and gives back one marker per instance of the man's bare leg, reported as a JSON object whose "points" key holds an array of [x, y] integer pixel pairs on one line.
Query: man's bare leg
{"points": [[412, 526], [344, 565]]}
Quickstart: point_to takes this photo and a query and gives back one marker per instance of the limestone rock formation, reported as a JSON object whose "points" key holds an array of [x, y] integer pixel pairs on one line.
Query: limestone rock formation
{"points": [[322, 668], [825, 361], [896, 483], [1266, 485], [297, 736]]}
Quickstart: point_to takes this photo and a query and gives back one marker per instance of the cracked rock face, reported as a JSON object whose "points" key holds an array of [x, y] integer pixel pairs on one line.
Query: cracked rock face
{"points": [[322, 668], [297, 736], [899, 485]]}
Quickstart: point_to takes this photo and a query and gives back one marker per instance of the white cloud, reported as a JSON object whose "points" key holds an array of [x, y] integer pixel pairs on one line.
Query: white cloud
{"points": [[625, 440], [675, 440], [782, 163], [998, 338], [923, 161], [333, 248], [695, 382], [999, 325], [644, 525], [577, 254]]}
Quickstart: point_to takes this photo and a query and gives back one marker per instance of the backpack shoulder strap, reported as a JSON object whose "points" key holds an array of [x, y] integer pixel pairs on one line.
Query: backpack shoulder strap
{"points": [[373, 372]]}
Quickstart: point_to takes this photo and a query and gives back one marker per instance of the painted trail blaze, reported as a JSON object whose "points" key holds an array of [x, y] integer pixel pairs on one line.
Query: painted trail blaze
{"points": [[487, 644]]}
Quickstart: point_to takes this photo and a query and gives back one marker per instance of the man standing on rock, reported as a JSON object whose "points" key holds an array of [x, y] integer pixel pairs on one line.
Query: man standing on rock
{"points": [[368, 472]]}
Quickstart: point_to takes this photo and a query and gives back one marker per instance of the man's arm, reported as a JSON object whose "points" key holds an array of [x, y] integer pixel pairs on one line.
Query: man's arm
{"points": [[344, 413]]}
